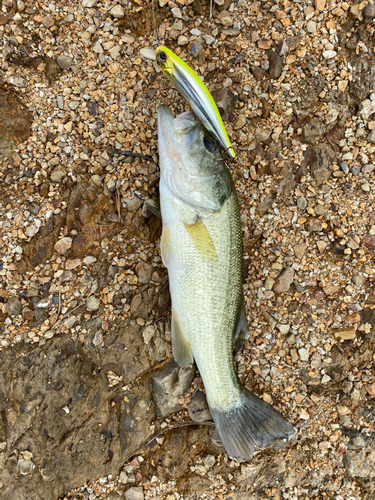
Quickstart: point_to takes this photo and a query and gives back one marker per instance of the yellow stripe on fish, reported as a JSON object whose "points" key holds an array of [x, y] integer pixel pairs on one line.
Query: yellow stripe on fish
{"points": [[196, 93]]}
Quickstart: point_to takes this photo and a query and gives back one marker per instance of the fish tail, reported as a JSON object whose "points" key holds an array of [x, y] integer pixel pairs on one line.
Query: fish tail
{"points": [[251, 422]]}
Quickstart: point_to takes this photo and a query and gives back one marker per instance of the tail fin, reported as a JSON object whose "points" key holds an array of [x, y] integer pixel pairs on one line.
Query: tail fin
{"points": [[249, 424]]}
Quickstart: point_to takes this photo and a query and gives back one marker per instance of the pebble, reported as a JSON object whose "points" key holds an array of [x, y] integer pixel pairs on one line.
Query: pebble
{"points": [[303, 354], [64, 62], [14, 306], [320, 5], [25, 466], [182, 40], [301, 202], [369, 10], [144, 272], [275, 65], [240, 122], [198, 408], [209, 460], [176, 13], [63, 245], [133, 203], [284, 280], [283, 328], [371, 137], [313, 225], [89, 260], [329, 54], [135, 493], [208, 39], [92, 303], [311, 27], [117, 11], [89, 3]]}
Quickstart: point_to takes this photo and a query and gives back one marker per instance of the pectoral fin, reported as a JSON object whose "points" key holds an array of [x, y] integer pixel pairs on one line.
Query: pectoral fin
{"points": [[241, 333], [166, 246], [181, 347], [202, 239]]}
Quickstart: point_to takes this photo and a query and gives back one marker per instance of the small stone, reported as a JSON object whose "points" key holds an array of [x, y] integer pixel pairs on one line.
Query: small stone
{"points": [[325, 379], [176, 13], [209, 460], [198, 408], [268, 283], [89, 3], [329, 54], [371, 137], [240, 122], [331, 290], [344, 334], [303, 354], [64, 62], [358, 279], [284, 280], [14, 306], [92, 303], [123, 478], [25, 466], [371, 389], [262, 134], [313, 225], [275, 65], [299, 250], [48, 22], [133, 203], [311, 27], [320, 5], [89, 260], [182, 40], [98, 48], [114, 52], [369, 10], [225, 100], [283, 328], [63, 245], [301, 202], [322, 245], [58, 174], [117, 11], [135, 493], [313, 131], [208, 39], [144, 272]]}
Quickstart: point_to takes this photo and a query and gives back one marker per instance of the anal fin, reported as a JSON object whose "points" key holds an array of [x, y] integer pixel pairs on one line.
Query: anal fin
{"points": [[181, 347], [241, 333]]}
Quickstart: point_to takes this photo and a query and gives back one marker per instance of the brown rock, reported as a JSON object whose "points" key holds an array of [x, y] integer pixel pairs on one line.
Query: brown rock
{"points": [[313, 225], [368, 241], [284, 280], [276, 65], [15, 123], [144, 272], [63, 245], [331, 290], [240, 122], [225, 101]]}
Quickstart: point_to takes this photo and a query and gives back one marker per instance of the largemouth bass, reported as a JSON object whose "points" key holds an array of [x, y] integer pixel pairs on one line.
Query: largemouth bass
{"points": [[197, 95], [201, 246]]}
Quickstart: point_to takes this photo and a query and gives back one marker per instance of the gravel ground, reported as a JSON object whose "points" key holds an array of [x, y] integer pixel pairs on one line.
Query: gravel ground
{"points": [[80, 267]]}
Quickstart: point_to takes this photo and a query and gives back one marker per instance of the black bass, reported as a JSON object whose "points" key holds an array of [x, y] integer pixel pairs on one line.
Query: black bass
{"points": [[201, 246], [197, 95]]}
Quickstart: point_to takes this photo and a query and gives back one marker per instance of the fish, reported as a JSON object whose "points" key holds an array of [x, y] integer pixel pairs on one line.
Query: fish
{"points": [[201, 246], [196, 94]]}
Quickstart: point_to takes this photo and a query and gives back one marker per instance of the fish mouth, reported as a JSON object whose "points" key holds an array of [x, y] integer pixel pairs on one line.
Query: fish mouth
{"points": [[175, 134]]}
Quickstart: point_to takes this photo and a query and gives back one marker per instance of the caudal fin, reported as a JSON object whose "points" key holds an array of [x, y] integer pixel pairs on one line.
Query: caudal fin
{"points": [[249, 424]]}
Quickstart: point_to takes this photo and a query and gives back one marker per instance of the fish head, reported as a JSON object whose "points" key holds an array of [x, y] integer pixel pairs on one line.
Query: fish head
{"points": [[190, 161]]}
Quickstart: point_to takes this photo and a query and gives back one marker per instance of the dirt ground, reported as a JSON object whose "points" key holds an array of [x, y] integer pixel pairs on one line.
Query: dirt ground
{"points": [[92, 404]]}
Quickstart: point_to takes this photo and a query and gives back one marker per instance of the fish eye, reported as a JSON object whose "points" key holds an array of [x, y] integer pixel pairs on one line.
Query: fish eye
{"points": [[162, 56], [209, 144]]}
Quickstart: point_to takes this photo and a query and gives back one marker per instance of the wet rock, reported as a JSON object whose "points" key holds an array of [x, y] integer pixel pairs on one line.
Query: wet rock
{"points": [[15, 123], [284, 280], [275, 65], [134, 493], [14, 306], [104, 426], [225, 101], [168, 384], [198, 408], [144, 272], [313, 131]]}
